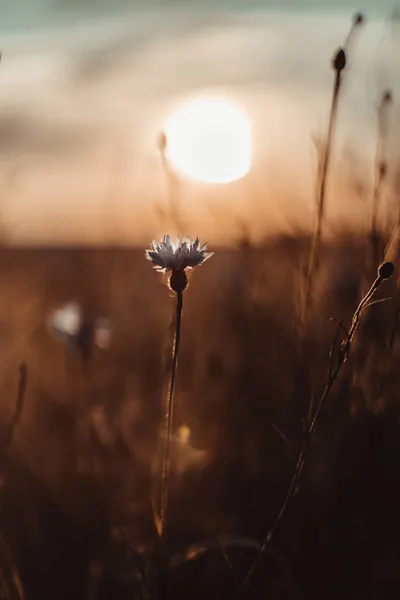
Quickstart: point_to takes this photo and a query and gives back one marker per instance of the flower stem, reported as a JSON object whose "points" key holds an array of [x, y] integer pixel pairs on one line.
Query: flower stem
{"points": [[333, 373], [15, 420], [172, 188], [339, 65], [321, 194], [169, 417], [381, 168]]}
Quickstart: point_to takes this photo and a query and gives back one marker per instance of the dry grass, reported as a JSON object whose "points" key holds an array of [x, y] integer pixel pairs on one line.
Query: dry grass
{"points": [[84, 459]]}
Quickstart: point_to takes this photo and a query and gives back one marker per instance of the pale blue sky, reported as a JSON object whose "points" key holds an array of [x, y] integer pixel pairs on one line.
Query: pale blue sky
{"points": [[17, 14]]}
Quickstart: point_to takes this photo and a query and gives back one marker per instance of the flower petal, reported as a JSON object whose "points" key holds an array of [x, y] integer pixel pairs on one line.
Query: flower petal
{"points": [[177, 244], [173, 254], [155, 258]]}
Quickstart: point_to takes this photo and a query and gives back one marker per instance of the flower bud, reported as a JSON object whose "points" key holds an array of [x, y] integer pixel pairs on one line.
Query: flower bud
{"points": [[386, 270], [178, 280], [339, 60], [387, 97], [358, 19], [162, 141], [382, 169]]}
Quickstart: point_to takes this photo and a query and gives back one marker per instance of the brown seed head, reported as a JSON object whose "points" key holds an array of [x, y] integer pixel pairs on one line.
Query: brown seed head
{"points": [[358, 19], [339, 60], [386, 270]]}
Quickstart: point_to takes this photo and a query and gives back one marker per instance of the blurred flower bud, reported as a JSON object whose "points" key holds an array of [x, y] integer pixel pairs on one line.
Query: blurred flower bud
{"points": [[162, 141], [339, 60], [382, 170], [358, 19], [387, 97]]}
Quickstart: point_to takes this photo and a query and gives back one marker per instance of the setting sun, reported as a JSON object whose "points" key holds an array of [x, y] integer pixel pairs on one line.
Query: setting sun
{"points": [[209, 141]]}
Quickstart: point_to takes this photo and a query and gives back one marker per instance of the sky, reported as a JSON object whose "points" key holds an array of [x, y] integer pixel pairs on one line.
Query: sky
{"points": [[85, 91]]}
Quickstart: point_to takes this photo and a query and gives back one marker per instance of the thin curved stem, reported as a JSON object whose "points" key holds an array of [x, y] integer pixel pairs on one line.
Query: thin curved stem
{"points": [[15, 420], [333, 373], [22, 384], [291, 492], [374, 249], [172, 188], [321, 194], [323, 171], [169, 417]]}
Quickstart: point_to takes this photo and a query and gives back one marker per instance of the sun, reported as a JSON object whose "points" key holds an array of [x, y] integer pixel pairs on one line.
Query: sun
{"points": [[209, 141]]}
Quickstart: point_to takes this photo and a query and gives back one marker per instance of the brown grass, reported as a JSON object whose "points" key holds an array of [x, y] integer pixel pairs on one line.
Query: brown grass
{"points": [[85, 465]]}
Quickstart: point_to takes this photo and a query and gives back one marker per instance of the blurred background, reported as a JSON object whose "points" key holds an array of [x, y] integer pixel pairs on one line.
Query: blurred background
{"points": [[86, 87]]}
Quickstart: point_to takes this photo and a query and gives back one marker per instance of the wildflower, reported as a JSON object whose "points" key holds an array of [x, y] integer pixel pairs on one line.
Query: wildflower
{"points": [[176, 257], [65, 322], [169, 255], [69, 324]]}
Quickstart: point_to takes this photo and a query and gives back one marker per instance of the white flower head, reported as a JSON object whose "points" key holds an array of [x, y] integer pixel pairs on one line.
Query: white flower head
{"points": [[177, 256], [65, 322], [68, 324]]}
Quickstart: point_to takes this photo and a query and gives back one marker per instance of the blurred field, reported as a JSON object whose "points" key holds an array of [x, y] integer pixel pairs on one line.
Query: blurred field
{"points": [[84, 93], [84, 459]]}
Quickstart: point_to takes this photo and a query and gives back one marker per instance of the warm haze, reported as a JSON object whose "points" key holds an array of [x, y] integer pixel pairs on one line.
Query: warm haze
{"points": [[85, 93], [173, 385]]}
